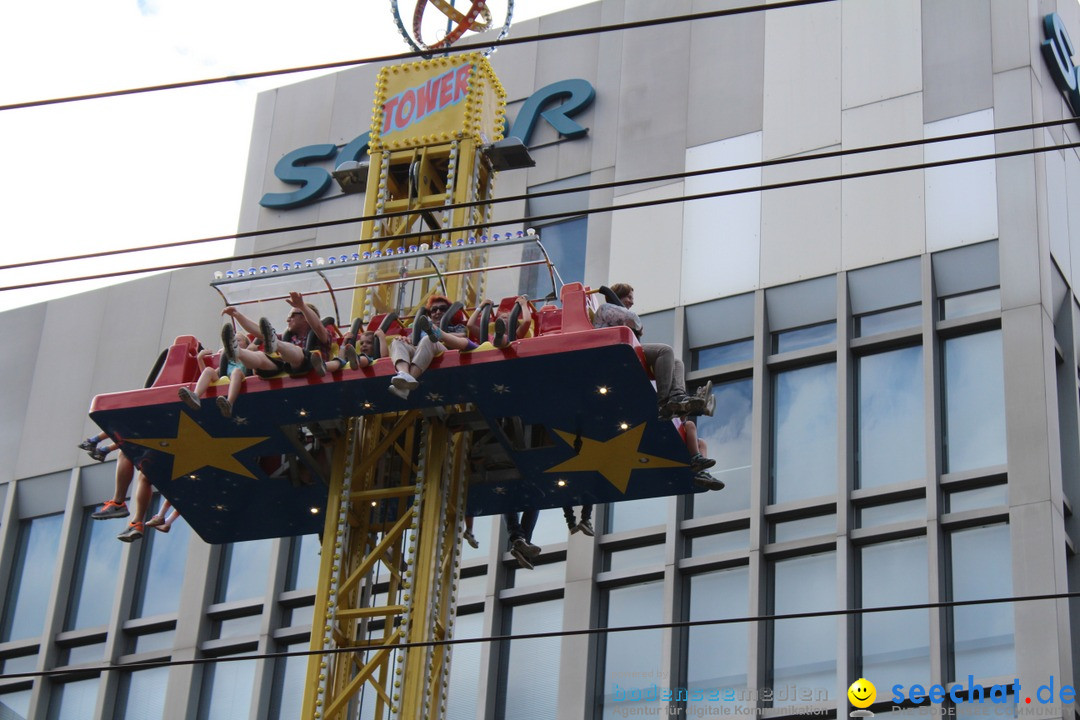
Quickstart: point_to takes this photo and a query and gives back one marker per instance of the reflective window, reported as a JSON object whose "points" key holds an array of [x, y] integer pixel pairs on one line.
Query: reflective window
{"points": [[971, 303], [290, 676], [888, 321], [94, 581], [302, 615], [565, 245], [716, 654], [74, 700], [15, 705], [981, 567], [804, 649], [730, 541], [804, 337], [237, 627], [892, 513], [161, 571], [804, 433], [465, 668], [244, 569], [141, 695], [727, 436], [632, 659], [16, 664], [895, 644], [635, 514], [974, 402], [529, 681], [150, 642], [542, 573], [226, 690], [83, 654], [804, 528], [717, 355], [303, 563], [31, 577], [636, 557], [978, 498], [891, 432], [961, 199]]}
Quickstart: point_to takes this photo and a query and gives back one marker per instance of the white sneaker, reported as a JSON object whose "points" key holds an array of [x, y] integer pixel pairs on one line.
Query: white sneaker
{"points": [[404, 381], [399, 392]]}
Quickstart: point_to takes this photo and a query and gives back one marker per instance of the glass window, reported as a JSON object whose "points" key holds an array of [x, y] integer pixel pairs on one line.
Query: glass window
{"points": [[161, 570], [888, 320], [565, 245], [974, 402], [15, 705], [31, 577], [978, 498], [149, 642], [971, 303], [290, 676], [465, 668], [875, 515], [891, 430], [20, 664], [226, 689], [142, 694], [244, 569], [83, 654], [804, 528], [636, 557], [725, 354], [93, 584], [304, 562], [636, 514], [74, 700], [804, 337], [731, 541], [237, 627], [472, 585], [716, 654], [727, 435], [895, 644], [529, 682], [981, 567], [632, 659], [804, 427], [540, 574], [804, 649]]}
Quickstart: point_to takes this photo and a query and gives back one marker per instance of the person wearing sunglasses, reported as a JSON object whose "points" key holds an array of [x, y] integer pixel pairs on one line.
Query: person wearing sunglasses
{"points": [[411, 361]]}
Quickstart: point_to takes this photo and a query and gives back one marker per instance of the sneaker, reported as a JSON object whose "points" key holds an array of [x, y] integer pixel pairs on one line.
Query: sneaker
{"points": [[229, 347], [399, 392], [707, 481], [423, 324], [163, 528], [155, 521], [520, 550], [676, 405], [586, 528], [351, 357], [404, 381], [98, 454], [699, 462], [133, 532], [111, 510], [317, 363], [500, 332], [88, 444], [189, 398], [224, 407], [270, 338], [702, 405], [471, 539], [573, 529]]}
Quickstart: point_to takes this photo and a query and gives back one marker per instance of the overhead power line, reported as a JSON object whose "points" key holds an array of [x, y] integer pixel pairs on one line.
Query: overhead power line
{"points": [[560, 191], [404, 237], [457, 49], [675, 625]]}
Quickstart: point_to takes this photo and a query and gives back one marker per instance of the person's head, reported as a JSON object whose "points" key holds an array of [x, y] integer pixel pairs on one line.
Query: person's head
{"points": [[625, 292], [437, 305], [296, 322], [367, 343]]}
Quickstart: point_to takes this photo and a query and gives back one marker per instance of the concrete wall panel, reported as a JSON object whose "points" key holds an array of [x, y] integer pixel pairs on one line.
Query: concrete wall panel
{"points": [[645, 251], [957, 68], [882, 50]]}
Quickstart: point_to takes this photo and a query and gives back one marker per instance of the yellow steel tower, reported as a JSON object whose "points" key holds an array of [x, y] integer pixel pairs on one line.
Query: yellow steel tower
{"points": [[390, 547]]}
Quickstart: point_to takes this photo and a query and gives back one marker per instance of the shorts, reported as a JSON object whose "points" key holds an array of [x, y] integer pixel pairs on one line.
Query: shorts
{"points": [[280, 366]]}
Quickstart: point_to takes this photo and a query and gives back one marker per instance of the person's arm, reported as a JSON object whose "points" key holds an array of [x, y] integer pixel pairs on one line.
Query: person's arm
{"points": [[473, 323], [249, 325], [314, 322], [200, 359]]}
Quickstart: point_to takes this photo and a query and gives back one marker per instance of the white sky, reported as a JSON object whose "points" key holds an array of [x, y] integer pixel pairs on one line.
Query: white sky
{"points": [[159, 167]]}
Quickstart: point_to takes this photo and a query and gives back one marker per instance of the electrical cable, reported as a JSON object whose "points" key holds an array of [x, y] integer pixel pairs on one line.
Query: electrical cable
{"points": [[675, 625], [464, 48], [559, 191], [564, 214]]}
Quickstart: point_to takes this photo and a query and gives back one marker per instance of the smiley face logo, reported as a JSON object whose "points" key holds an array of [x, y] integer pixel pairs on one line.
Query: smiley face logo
{"points": [[862, 693]]}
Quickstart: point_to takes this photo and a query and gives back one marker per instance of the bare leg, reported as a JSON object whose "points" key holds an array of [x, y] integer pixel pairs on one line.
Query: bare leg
{"points": [[255, 360]]}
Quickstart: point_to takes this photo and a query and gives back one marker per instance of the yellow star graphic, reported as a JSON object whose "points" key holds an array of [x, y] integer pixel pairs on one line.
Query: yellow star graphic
{"points": [[615, 459], [194, 448]]}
